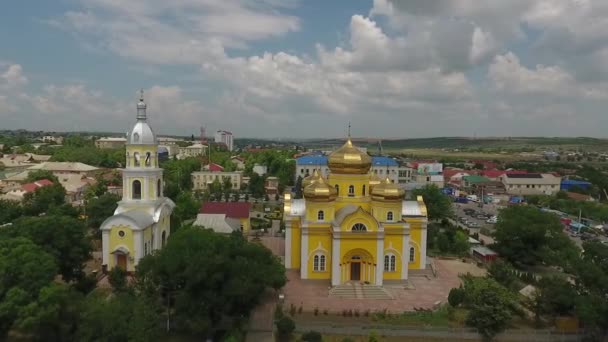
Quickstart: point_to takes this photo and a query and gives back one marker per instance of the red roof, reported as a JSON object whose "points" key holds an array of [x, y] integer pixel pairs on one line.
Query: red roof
{"points": [[498, 173], [215, 168], [449, 173], [31, 187], [231, 209]]}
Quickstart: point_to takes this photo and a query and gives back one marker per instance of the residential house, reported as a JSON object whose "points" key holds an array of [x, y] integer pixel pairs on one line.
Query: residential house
{"points": [[225, 217], [110, 143], [202, 179], [271, 186], [192, 151], [19, 193], [260, 169], [238, 162], [531, 183]]}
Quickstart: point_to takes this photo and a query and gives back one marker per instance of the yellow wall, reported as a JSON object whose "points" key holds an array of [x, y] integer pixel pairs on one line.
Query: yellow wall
{"points": [[142, 149], [319, 240], [415, 241], [359, 216], [246, 223], [344, 181], [312, 211], [380, 210], [126, 241], [296, 243], [393, 244]]}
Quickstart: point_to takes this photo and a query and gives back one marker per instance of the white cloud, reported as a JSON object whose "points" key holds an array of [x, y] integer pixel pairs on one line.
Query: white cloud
{"points": [[12, 77]]}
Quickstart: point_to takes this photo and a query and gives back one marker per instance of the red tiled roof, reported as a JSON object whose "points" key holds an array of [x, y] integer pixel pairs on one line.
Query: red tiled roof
{"points": [[578, 197], [449, 173], [31, 187], [215, 168], [231, 209]]}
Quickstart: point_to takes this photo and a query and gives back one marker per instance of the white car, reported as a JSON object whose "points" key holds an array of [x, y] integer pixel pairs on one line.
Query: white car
{"points": [[492, 220]]}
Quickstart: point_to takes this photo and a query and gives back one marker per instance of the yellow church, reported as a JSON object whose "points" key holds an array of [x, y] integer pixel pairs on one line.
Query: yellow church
{"points": [[353, 226], [141, 223]]}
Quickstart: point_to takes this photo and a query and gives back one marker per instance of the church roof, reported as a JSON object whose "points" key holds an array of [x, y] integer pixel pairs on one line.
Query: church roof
{"points": [[139, 219], [411, 208], [216, 222], [343, 213]]}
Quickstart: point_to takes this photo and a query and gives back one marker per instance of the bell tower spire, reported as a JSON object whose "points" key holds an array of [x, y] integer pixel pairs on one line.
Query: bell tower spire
{"points": [[141, 107]]}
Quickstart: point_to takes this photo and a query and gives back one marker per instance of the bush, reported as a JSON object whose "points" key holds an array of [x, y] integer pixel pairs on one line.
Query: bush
{"points": [[312, 336], [286, 326], [118, 279], [278, 312], [456, 296]]}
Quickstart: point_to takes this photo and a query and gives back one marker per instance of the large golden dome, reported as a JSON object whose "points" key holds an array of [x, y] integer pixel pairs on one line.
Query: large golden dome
{"points": [[310, 179], [320, 191], [349, 160], [387, 191]]}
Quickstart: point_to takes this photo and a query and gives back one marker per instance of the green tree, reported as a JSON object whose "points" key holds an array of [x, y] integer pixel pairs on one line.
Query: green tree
{"points": [[256, 185], [527, 236], [312, 336], [504, 274], [490, 306], [24, 269], [37, 175], [555, 296], [186, 208], [118, 279], [461, 245], [285, 327], [100, 208], [53, 316], [438, 204], [210, 276], [63, 237], [43, 199], [9, 210], [456, 296]]}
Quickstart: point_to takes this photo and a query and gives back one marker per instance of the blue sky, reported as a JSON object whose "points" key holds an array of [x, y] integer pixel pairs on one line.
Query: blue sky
{"points": [[288, 68]]}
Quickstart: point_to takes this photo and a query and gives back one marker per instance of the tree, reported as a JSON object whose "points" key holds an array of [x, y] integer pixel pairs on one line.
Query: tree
{"points": [[490, 306], [37, 175], [256, 185], [210, 276], [9, 210], [527, 236], [504, 274], [186, 208], [25, 268], [285, 327], [555, 296], [118, 279], [461, 245], [456, 296], [53, 316], [312, 336], [438, 204], [44, 198], [100, 208], [63, 237]]}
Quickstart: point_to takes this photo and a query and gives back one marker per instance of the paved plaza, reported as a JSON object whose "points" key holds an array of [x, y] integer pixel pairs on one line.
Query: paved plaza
{"points": [[421, 292]]}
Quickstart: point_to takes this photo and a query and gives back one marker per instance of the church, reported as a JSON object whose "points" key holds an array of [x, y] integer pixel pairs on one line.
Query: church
{"points": [[353, 226], [141, 223]]}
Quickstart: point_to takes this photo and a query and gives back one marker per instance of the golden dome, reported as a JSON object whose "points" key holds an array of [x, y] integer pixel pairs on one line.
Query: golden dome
{"points": [[349, 160], [311, 179], [320, 191], [374, 180], [387, 191]]}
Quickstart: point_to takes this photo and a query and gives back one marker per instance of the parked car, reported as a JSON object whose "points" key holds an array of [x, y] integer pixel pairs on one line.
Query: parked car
{"points": [[492, 220]]}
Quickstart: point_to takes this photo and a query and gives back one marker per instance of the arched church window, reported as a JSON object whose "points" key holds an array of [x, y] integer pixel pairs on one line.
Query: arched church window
{"points": [[136, 189], [351, 190], [163, 237], [390, 263], [389, 216], [136, 137], [148, 159], [363, 190], [412, 254], [318, 263], [359, 227], [338, 189], [136, 161], [320, 215], [158, 188]]}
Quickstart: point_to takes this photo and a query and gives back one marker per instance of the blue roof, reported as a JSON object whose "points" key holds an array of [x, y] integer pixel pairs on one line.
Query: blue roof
{"points": [[312, 160], [574, 182], [383, 161], [322, 160]]}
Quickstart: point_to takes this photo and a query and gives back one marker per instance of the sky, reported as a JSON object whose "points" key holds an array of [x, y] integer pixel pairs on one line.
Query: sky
{"points": [[305, 69]]}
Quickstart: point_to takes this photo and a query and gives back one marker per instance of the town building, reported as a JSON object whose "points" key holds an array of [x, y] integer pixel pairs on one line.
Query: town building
{"points": [[352, 226], [58, 169], [271, 186], [18, 194], [531, 183], [260, 170], [202, 179], [226, 138], [381, 166], [427, 173], [238, 162], [569, 184], [141, 223], [225, 217], [195, 150], [110, 143]]}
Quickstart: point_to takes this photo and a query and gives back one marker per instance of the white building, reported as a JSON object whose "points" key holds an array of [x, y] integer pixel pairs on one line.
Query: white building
{"points": [[260, 169], [381, 166], [531, 183], [225, 138], [192, 151], [110, 142]]}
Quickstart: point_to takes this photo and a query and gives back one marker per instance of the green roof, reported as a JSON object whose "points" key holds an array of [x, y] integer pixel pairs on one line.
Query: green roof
{"points": [[475, 179]]}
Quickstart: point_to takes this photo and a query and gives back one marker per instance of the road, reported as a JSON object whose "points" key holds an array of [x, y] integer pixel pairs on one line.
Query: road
{"points": [[487, 208]]}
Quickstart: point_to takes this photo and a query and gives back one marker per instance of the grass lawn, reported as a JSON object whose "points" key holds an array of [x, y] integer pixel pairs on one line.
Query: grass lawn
{"points": [[438, 153]]}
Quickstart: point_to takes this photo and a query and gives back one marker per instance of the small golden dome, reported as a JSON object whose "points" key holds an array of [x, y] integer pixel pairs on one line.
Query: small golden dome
{"points": [[349, 160], [320, 191], [311, 179], [374, 180], [387, 191]]}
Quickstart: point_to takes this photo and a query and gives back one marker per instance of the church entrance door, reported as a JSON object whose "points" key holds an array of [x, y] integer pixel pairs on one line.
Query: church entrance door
{"points": [[355, 271], [121, 261]]}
